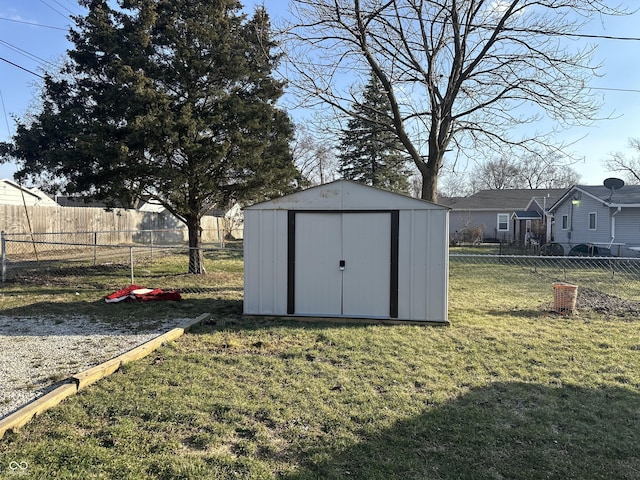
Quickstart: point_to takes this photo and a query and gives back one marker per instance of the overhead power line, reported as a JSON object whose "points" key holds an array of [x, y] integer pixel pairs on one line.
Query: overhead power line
{"points": [[55, 10], [22, 68], [573, 35], [629, 90], [34, 24], [63, 7], [4, 110], [25, 53]]}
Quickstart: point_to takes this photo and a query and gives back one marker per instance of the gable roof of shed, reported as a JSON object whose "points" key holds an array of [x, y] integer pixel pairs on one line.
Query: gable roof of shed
{"points": [[345, 195]]}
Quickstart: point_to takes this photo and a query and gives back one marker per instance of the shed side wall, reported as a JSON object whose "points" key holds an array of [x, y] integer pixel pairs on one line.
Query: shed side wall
{"points": [[423, 265], [265, 262]]}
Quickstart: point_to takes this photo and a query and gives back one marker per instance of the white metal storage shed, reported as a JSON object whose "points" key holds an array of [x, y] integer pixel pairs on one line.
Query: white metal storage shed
{"points": [[347, 250]]}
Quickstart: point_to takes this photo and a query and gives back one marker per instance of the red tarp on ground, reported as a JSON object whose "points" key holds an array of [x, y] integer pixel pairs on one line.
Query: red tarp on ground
{"points": [[137, 293]]}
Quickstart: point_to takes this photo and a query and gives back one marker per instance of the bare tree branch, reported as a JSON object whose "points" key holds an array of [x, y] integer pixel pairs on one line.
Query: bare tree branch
{"points": [[458, 73], [628, 166]]}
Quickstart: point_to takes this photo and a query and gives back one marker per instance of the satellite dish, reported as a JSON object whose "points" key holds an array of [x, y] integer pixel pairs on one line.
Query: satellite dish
{"points": [[614, 184]]}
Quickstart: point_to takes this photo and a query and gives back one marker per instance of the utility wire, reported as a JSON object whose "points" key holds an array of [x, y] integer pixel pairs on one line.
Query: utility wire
{"points": [[4, 110], [64, 7], [573, 35], [522, 30], [25, 53], [629, 90], [21, 68], [54, 9], [34, 24]]}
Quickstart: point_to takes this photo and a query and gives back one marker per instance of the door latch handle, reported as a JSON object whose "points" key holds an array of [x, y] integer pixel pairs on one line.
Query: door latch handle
{"points": [[342, 264]]}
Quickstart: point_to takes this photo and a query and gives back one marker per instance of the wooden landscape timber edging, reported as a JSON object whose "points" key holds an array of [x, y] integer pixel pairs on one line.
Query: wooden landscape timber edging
{"points": [[90, 376]]}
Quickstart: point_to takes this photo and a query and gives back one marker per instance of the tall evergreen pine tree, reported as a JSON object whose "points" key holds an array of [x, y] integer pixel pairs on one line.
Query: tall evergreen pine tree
{"points": [[370, 152], [168, 99]]}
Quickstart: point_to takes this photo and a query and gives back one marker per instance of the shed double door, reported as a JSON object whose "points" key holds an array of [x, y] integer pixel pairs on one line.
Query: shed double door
{"points": [[343, 264]]}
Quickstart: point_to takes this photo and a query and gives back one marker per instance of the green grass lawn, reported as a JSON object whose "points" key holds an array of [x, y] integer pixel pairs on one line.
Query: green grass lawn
{"points": [[508, 391]]}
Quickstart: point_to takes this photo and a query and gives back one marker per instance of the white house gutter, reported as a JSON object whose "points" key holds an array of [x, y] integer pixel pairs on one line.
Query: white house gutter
{"points": [[613, 226]]}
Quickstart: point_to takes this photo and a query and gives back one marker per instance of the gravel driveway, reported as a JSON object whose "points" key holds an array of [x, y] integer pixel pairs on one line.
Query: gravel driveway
{"points": [[38, 352]]}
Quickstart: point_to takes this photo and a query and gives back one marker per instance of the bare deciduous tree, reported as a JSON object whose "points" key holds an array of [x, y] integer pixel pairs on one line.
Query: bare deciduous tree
{"points": [[629, 167], [551, 170], [499, 174], [314, 156], [459, 74], [454, 184], [535, 170]]}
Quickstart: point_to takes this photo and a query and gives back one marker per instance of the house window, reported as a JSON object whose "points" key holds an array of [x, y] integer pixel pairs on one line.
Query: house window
{"points": [[592, 221], [503, 222], [565, 222]]}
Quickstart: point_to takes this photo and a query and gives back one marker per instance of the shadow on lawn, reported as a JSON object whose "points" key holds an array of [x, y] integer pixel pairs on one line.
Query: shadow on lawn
{"points": [[504, 430], [226, 314], [191, 306]]}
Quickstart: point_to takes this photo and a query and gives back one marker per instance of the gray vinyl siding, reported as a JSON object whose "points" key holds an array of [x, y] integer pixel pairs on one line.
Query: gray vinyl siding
{"points": [[460, 220], [578, 231], [628, 229]]}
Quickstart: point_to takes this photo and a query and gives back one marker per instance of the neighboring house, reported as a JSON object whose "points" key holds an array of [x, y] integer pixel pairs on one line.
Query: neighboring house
{"points": [[146, 205], [79, 201], [12, 193], [599, 216], [502, 215]]}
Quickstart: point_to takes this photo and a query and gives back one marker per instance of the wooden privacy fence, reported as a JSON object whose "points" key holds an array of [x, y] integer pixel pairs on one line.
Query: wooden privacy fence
{"points": [[37, 233], [16, 219]]}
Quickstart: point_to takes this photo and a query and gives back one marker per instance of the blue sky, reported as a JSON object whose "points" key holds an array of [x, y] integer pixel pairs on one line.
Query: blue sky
{"points": [[31, 47]]}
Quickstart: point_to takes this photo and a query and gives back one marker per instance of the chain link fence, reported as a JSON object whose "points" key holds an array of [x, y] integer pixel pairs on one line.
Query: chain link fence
{"points": [[126, 256], [615, 276], [134, 257]]}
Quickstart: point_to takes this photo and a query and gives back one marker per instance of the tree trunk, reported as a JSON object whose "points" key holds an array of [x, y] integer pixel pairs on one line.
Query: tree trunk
{"points": [[429, 185], [429, 177], [196, 259]]}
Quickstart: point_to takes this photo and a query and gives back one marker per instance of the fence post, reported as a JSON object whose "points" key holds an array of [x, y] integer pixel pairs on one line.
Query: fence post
{"points": [[4, 256], [95, 248], [131, 263]]}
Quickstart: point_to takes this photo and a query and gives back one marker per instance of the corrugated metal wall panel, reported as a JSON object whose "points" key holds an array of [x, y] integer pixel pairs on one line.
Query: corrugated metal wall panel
{"points": [[265, 262], [252, 262], [436, 279], [423, 282]]}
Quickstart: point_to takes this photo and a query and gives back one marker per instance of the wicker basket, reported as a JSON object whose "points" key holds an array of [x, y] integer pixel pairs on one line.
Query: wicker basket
{"points": [[564, 297]]}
